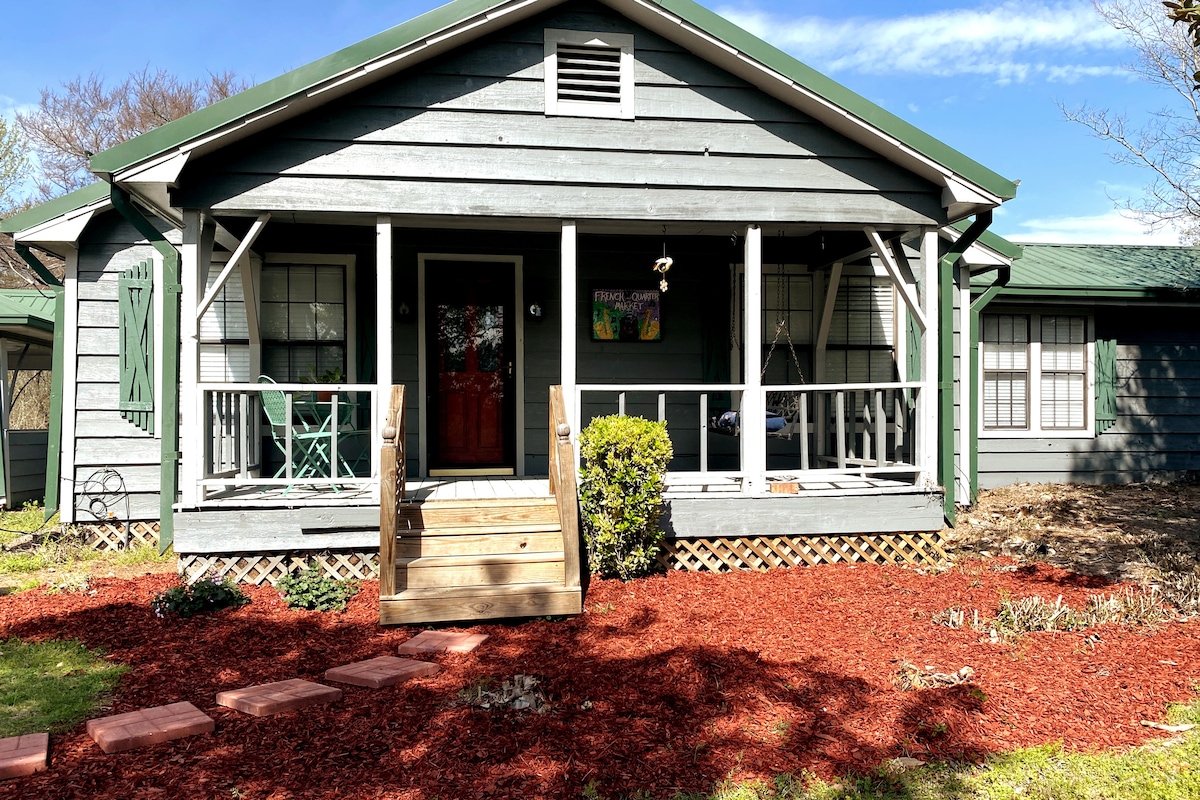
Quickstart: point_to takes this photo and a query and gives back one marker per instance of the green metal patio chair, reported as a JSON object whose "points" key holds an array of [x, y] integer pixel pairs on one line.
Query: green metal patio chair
{"points": [[309, 454]]}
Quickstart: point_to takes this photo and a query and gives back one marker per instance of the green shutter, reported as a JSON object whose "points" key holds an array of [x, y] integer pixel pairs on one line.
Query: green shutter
{"points": [[135, 290], [1106, 384]]}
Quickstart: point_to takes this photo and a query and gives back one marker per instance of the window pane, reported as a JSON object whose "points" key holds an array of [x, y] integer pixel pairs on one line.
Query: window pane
{"points": [[301, 284], [274, 320], [1062, 400], [274, 284], [329, 284], [330, 321], [1006, 400], [302, 322], [1063, 343]]}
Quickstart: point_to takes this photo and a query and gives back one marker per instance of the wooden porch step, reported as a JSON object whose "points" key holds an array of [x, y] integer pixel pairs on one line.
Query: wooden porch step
{"points": [[474, 541], [527, 511], [447, 604], [479, 571]]}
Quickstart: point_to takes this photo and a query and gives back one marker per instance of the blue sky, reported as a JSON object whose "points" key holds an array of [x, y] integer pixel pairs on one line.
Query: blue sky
{"points": [[988, 82]]}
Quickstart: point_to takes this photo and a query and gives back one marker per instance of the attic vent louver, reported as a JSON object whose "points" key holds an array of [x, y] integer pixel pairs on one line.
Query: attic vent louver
{"points": [[589, 74]]}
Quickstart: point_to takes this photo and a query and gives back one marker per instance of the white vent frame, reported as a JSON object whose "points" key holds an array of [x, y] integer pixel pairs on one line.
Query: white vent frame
{"points": [[623, 108]]}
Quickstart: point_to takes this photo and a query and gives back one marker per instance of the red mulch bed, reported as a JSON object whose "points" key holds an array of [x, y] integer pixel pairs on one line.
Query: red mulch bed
{"points": [[669, 683]]}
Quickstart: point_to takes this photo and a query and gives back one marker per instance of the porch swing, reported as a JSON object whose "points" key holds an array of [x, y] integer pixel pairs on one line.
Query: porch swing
{"points": [[784, 416]]}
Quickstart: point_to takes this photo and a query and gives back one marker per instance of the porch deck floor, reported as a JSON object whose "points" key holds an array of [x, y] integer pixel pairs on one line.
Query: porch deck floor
{"points": [[477, 488]]}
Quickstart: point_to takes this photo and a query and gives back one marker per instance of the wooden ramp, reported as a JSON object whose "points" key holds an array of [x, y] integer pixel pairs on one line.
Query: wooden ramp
{"points": [[445, 560]]}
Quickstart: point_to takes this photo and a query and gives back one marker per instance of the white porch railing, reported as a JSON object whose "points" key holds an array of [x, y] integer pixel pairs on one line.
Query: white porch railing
{"points": [[260, 437], [831, 429]]}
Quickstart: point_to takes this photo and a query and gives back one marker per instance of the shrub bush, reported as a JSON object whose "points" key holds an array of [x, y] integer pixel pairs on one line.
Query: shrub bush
{"points": [[624, 467], [205, 595], [311, 589]]}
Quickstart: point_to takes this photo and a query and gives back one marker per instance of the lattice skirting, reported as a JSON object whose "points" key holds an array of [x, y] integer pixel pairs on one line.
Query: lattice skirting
{"points": [[770, 552], [113, 536], [260, 568]]}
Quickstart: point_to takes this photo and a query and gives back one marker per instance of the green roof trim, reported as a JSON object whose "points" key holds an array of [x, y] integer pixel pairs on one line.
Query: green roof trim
{"points": [[27, 307], [55, 208], [1105, 270], [256, 99], [992, 241]]}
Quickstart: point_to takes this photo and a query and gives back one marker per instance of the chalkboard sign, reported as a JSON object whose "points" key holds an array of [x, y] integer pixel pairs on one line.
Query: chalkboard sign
{"points": [[626, 315]]}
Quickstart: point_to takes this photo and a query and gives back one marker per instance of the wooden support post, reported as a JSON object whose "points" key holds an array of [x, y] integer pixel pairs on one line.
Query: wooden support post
{"points": [[754, 411], [70, 397], [391, 487]]}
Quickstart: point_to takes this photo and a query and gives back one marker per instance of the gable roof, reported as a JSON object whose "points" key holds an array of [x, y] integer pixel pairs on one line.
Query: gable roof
{"points": [[1136, 269], [73, 201], [459, 21]]}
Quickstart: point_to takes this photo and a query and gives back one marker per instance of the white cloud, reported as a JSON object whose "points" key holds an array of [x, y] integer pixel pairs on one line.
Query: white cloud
{"points": [[1112, 227], [1014, 42]]}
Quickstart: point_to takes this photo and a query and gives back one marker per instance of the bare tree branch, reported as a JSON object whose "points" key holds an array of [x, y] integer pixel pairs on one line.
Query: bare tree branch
{"points": [[84, 118]]}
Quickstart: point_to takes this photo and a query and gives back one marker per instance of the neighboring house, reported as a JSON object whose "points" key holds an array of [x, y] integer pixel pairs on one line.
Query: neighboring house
{"points": [[1090, 368], [26, 345], [471, 205]]}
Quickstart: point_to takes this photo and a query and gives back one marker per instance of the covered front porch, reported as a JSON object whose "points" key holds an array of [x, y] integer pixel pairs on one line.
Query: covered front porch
{"points": [[840, 370]]}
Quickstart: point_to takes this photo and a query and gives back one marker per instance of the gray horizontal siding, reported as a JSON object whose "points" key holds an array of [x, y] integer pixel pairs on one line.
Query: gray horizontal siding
{"points": [[1157, 434], [103, 439], [467, 135], [26, 477]]}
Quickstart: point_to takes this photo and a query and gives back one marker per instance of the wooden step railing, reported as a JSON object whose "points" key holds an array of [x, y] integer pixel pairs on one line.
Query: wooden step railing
{"points": [[563, 486], [391, 489]]}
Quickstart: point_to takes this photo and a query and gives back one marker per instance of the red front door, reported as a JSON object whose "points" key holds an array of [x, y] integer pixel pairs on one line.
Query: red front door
{"points": [[470, 309]]}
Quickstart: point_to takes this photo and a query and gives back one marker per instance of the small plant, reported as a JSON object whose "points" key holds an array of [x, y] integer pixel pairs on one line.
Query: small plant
{"points": [[205, 595], [313, 590], [620, 490]]}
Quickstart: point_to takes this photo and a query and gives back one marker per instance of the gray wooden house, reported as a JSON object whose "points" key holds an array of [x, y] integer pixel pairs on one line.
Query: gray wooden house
{"points": [[1089, 367], [480, 205]]}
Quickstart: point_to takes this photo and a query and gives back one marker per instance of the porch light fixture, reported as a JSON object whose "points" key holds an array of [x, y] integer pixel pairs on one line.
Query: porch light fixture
{"points": [[403, 310], [535, 310]]}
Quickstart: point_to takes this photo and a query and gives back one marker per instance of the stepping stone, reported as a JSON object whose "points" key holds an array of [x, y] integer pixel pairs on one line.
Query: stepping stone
{"points": [[24, 755], [377, 673], [273, 698], [148, 726], [442, 642]]}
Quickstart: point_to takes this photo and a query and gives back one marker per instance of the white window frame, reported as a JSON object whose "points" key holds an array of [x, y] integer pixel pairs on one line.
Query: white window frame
{"points": [[571, 108], [345, 261], [1034, 355]]}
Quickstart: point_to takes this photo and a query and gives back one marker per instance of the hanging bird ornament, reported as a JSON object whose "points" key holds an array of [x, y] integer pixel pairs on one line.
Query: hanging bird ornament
{"points": [[661, 266]]}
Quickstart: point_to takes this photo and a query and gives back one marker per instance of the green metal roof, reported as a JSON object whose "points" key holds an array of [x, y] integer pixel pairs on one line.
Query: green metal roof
{"points": [[27, 307], [55, 208], [1129, 269], [254, 100]]}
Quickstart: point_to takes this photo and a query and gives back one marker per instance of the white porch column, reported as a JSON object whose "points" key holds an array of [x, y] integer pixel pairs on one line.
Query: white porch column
{"points": [[966, 392], [70, 399], [569, 269], [192, 414], [754, 411], [383, 330], [927, 411]]}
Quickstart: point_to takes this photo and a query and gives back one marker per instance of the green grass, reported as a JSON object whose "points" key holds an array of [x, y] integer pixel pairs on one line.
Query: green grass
{"points": [[30, 518], [1164, 770], [60, 558], [51, 686]]}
